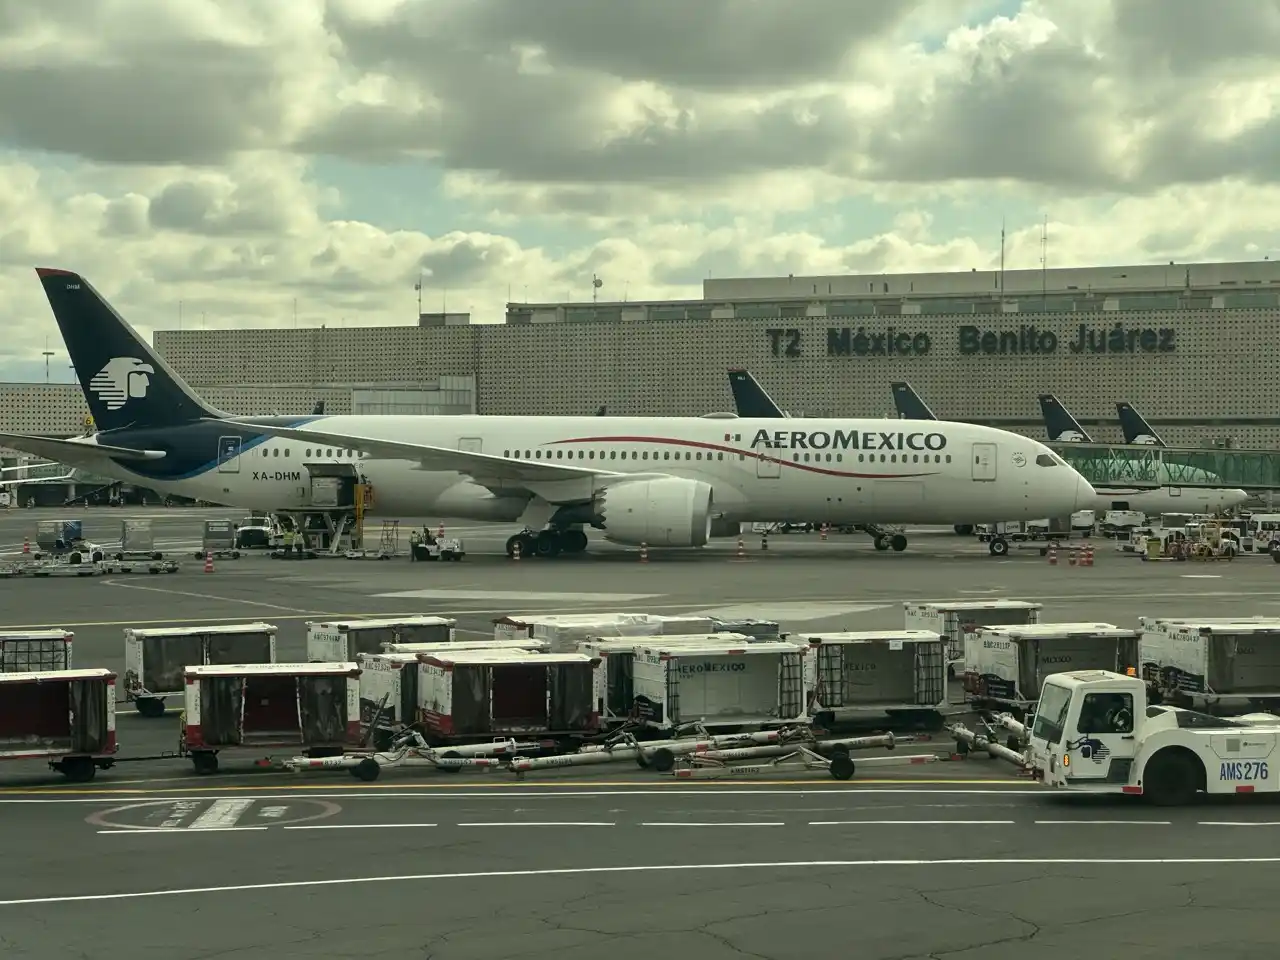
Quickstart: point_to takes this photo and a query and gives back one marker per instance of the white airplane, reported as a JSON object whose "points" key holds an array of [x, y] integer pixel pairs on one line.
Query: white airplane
{"points": [[1062, 427], [660, 481]]}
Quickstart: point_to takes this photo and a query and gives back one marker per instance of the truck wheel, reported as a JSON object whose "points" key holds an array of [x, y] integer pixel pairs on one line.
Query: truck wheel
{"points": [[366, 770], [842, 767], [662, 760], [1171, 780], [78, 769], [150, 706], [998, 548], [205, 762]]}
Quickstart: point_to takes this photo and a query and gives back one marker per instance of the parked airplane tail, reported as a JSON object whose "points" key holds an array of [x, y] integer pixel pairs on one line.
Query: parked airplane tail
{"points": [[750, 398], [125, 382], [908, 403], [1135, 428], [1061, 426]]}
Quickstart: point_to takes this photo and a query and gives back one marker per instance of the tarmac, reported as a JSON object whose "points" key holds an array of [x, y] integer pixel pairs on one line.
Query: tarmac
{"points": [[947, 859]]}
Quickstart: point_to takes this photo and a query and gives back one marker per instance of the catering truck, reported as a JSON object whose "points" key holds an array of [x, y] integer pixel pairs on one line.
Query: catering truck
{"points": [[1095, 732]]}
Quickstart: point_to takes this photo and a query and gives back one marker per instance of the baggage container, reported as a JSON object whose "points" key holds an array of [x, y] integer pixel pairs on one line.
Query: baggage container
{"points": [[57, 536], [341, 641], [260, 706], [876, 671], [501, 692], [136, 537], [155, 658], [219, 540], [1007, 665], [1213, 657], [747, 627], [613, 680], [35, 651], [67, 717], [720, 684], [956, 619], [389, 681], [565, 631]]}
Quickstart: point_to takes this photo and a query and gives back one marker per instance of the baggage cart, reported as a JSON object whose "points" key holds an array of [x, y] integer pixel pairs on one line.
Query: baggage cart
{"points": [[493, 693], [342, 641], [565, 631], [35, 651], [956, 619], [531, 645], [901, 673], [67, 717], [220, 540], [70, 565], [726, 684], [251, 708], [1208, 660], [1005, 667], [613, 680], [155, 658]]}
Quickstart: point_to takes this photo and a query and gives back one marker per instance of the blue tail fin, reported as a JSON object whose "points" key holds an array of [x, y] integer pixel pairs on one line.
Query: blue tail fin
{"points": [[125, 382], [908, 403], [750, 398], [1059, 423], [1135, 428]]}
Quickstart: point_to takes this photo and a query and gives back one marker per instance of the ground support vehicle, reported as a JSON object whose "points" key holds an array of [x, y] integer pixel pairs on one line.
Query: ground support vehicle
{"points": [[408, 749], [1095, 732]]}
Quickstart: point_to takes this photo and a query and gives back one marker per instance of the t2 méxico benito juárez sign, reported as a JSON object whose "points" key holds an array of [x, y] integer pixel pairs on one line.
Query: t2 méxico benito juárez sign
{"points": [[1025, 340]]}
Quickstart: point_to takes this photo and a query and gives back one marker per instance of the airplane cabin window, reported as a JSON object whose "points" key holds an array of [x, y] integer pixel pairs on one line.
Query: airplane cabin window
{"points": [[286, 451], [275, 452], [1044, 460], [308, 451], [948, 458]]}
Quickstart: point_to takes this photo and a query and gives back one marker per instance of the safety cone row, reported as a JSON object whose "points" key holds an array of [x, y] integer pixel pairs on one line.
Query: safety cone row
{"points": [[208, 561], [515, 550], [1053, 554], [644, 553]]}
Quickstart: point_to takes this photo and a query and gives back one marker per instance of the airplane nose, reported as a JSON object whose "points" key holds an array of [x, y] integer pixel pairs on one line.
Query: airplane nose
{"points": [[1085, 494]]}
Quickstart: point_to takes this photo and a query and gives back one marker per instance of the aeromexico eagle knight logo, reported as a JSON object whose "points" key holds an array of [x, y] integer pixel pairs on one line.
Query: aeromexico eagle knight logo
{"points": [[121, 380]]}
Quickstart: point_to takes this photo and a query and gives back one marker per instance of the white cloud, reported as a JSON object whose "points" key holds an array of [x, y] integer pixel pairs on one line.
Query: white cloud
{"points": [[175, 150]]}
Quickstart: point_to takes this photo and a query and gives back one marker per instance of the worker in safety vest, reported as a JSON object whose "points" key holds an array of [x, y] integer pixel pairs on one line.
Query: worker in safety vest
{"points": [[299, 542], [287, 540]]}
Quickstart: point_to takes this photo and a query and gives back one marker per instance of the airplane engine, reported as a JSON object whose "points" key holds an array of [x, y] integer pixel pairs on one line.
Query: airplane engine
{"points": [[670, 512]]}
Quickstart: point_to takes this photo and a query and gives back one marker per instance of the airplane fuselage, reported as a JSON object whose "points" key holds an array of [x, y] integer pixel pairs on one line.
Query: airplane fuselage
{"points": [[844, 471]]}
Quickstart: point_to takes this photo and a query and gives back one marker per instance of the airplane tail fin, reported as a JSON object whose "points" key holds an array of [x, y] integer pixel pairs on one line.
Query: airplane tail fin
{"points": [[750, 398], [1061, 426], [1135, 428], [125, 382], [909, 405]]}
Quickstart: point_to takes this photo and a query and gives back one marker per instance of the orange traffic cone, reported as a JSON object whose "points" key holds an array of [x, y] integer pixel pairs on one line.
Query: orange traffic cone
{"points": [[515, 551], [440, 531], [26, 544], [823, 535], [208, 561], [644, 553], [742, 550], [1053, 554], [1075, 553], [1088, 556]]}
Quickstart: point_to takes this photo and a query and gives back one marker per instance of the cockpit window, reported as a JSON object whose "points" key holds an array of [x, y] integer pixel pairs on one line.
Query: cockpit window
{"points": [[1046, 460]]}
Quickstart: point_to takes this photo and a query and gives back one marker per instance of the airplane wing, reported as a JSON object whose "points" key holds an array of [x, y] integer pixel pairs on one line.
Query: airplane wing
{"points": [[69, 451], [554, 482]]}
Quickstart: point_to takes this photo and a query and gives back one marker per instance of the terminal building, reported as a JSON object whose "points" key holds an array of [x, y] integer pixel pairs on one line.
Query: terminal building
{"points": [[1188, 344]]}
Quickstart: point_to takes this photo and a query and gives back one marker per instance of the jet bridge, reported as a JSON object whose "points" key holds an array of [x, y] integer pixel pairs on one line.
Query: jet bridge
{"points": [[1145, 466]]}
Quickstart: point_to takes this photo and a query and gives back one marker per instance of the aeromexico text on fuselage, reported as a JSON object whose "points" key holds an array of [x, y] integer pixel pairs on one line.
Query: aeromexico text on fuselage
{"points": [[847, 440]]}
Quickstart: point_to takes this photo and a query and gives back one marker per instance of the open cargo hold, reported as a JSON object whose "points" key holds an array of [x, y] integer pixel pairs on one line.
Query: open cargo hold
{"points": [[1008, 665], [35, 651], [730, 683], [389, 680], [613, 683], [955, 619], [65, 716], [258, 706], [877, 671], [341, 641], [155, 657], [504, 692], [564, 632], [1216, 658]]}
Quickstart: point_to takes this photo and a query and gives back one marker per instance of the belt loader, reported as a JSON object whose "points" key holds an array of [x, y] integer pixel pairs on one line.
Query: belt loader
{"points": [[1095, 732]]}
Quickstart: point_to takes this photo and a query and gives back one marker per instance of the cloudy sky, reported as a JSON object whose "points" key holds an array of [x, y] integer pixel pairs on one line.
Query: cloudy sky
{"points": [[238, 156]]}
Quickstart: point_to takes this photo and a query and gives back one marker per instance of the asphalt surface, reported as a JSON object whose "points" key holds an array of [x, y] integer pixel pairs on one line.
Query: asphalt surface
{"points": [[946, 859]]}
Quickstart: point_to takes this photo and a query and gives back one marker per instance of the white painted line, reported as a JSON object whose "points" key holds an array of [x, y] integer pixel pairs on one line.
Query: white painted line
{"points": [[221, 814], [516, 596], [533, 823], [751, 823], [964, 864], [909, 823], [1092, 823], [183, 830], [1238, 823], [360, 826]]}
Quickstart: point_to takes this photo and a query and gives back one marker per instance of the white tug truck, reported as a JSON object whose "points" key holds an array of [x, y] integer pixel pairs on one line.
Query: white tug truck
{"points": [[1094, 732]]}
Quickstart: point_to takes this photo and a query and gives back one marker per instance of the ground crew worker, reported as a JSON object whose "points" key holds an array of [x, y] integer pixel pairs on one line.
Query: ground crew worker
{"points": [[299, 542], [287, 539]]}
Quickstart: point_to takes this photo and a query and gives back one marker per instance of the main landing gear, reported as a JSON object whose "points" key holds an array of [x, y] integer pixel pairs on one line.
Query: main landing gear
{"points": [[549, 543], [885, 538]]}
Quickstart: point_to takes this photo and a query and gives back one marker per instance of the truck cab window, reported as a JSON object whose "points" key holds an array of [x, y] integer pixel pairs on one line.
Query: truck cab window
{"points": [[1107, 713]]}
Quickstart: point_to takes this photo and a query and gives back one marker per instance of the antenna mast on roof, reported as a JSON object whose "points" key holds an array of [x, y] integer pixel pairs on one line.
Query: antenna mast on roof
{"points": [[1044, 259], [1002, 257]]}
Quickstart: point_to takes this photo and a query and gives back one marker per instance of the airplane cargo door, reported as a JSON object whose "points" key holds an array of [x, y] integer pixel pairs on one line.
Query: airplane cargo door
{"points": [[984, 461], [767, 467], [228, 454], [471, 444]]}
